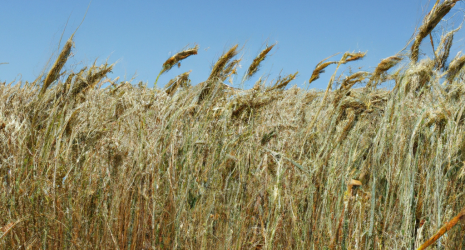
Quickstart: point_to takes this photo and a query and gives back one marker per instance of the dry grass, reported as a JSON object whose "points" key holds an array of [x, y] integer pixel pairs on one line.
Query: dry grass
{"points": [[210, 166]]}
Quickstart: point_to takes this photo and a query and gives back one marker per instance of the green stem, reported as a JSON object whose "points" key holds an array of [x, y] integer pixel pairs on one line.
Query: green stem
{"points": [[156, 80]]}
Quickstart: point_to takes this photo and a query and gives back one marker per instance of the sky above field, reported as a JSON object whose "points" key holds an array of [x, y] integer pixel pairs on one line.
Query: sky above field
{"points": [[141, 35]]}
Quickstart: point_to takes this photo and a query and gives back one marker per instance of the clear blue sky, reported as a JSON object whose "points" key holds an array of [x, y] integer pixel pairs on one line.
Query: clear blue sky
{"points": [[141, 35]]}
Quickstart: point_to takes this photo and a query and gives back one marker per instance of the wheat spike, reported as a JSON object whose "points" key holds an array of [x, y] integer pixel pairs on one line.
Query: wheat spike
{"points": [[176, 60], [429, 23], [253, 68], [58, 65]]}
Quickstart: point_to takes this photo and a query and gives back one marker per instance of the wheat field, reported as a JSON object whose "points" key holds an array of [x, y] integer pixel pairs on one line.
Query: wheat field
{"points": [[89, 162]]}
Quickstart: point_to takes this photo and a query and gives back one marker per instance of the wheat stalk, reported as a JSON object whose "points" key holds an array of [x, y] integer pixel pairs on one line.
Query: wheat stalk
{"points": [[253, 68], [176, 60], [57, 66], [429, 23]]}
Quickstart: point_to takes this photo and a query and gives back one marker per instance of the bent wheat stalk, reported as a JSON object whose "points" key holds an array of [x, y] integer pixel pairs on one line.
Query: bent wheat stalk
{"points": [[429, 23], [176, 59], [443, 230]]}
